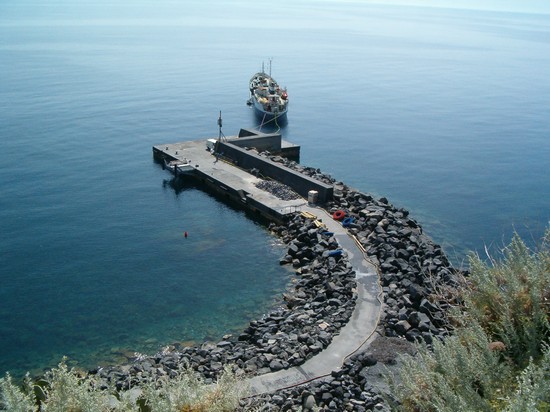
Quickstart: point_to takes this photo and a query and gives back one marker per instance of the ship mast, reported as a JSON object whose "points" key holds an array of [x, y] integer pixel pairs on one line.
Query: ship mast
{"points": [[220, 135]]}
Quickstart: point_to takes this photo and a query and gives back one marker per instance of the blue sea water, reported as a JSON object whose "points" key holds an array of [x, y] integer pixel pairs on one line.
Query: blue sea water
{"points": [[445, 112]]}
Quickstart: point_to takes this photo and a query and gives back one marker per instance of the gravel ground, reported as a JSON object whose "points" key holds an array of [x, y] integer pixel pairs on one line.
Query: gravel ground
{"points": [[277, 189]]}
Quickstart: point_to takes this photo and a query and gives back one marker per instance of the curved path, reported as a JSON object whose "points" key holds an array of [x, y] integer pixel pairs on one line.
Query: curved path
{"points": [[353, 336], [366, 314]]}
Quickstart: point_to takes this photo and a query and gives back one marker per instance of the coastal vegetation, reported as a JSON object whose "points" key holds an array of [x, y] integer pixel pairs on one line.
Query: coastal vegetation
{"points": [[67, 390], [498, 357]]}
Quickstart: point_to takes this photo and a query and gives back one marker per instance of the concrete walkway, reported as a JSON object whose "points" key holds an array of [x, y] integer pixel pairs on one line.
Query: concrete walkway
{"points": [[352, 337]]}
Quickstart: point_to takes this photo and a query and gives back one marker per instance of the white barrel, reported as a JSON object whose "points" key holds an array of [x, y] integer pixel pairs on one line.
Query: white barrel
{"points": [[312, 196]]}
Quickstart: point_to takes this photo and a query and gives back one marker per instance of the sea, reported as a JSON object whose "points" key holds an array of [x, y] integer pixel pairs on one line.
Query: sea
{"points": [[445, 112]]}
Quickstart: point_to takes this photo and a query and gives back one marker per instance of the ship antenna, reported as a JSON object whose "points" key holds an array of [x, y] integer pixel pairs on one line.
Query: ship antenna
{"points": [[271, 58], [220, 135]]}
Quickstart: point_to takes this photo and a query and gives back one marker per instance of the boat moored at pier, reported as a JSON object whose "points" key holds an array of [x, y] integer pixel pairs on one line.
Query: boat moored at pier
{"points": [[177, 167], [270, 100]]}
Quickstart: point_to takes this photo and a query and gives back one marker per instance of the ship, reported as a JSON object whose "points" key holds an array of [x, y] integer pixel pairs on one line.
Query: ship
{"points": [[270, 100]]}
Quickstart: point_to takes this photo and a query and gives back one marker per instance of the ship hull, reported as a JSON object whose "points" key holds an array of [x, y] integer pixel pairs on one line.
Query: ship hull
{"points": [[270, 101], [266, 116]]}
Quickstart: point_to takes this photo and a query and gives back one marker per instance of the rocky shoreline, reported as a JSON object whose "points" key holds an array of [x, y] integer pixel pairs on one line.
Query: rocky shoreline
{"points": [[417, 281], [321, 301]]}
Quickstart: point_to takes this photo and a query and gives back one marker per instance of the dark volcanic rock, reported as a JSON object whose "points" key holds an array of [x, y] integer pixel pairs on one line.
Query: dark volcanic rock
{"points": [[321, 299], [320, 303]]}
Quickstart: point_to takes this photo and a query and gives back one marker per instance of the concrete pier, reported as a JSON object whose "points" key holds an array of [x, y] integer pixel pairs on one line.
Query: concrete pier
{"points": [[234, 168]]}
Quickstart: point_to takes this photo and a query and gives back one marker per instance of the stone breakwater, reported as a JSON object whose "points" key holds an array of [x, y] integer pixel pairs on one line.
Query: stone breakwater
{"points": [[417, 281], [319, 303], [416, 276], [418, 285], [356, 386]]}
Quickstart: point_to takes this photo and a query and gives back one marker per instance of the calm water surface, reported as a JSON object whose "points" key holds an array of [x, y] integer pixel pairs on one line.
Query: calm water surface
{"points": [[445, 112]]}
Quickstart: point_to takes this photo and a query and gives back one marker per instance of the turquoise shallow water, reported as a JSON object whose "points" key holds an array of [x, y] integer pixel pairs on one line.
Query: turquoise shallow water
{"points": [[445, 112]]}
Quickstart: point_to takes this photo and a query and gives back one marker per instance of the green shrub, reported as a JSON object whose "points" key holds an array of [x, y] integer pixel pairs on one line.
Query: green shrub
{"points": [[67, 390], [506, 301], [532, 393], [13, 398], [188, 393], [458, 374], [511, 299]]}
